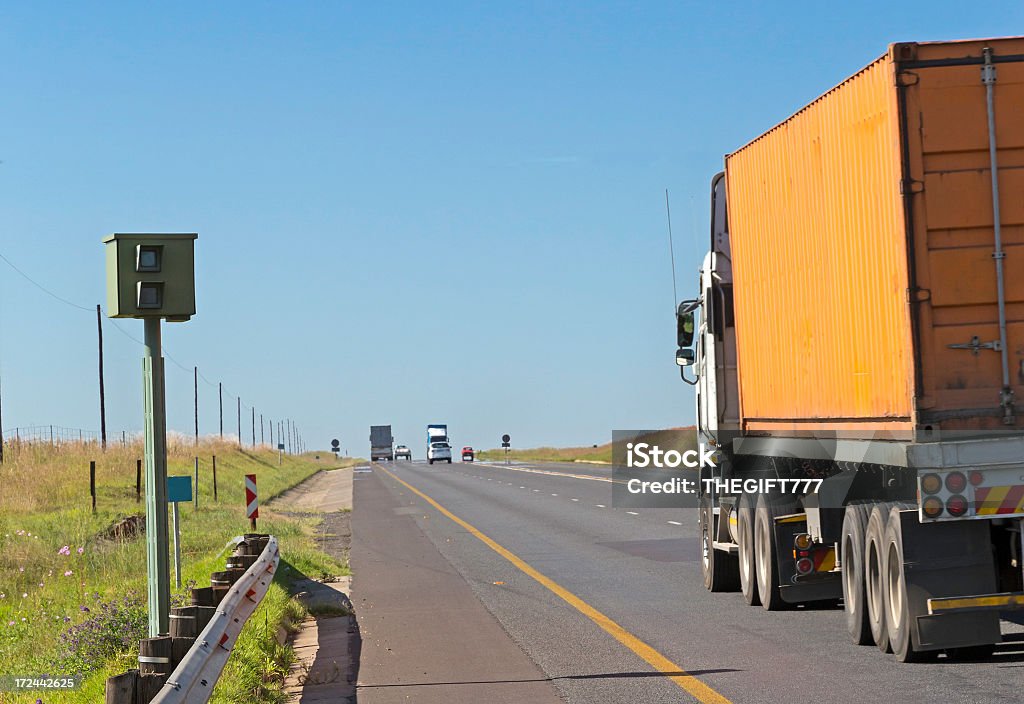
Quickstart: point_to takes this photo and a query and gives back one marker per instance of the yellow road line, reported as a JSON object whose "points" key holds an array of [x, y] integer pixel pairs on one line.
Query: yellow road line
{"points": [[700, 691]]}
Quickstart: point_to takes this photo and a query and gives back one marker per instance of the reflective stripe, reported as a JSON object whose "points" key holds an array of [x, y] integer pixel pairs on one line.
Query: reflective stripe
{"points": [[976, 603]]}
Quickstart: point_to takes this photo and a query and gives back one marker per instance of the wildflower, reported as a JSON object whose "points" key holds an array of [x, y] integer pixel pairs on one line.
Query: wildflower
{"points": [[24, 619], [66, 550], [68, 573], [81, 550], [40, 585], [10, 623], [24, 595], [84, 609], [50, 573], [21, 569], [2, 595]]}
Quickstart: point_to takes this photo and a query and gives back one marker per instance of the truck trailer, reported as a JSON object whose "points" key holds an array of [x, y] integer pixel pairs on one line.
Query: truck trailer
{"points": [[382, 444], [860, 321]]}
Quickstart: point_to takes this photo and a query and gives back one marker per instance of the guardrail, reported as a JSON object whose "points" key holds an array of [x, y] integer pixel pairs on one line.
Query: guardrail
{"points": [[235, 592]]}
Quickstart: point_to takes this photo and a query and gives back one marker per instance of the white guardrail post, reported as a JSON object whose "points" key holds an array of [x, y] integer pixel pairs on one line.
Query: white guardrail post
{"points": [[194, 678]]}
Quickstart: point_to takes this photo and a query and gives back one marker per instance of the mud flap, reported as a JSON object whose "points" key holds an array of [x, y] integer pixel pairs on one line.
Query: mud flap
{"points": [[952, 558]]}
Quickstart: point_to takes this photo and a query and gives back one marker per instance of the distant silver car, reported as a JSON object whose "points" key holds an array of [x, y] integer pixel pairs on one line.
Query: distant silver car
{"points": [[439, 452], [403, 451]]}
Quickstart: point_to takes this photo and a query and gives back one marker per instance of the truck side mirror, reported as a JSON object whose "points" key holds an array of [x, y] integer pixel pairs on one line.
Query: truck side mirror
{"points": [[685, 323], [685, 357]]}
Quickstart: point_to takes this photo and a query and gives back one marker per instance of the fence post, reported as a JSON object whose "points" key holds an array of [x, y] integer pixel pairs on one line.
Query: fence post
{"points": [[215, 477], [138, 481], [92, 483]]}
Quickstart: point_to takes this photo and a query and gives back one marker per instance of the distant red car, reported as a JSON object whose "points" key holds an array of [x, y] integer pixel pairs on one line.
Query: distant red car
{"points": [[467, 454]]}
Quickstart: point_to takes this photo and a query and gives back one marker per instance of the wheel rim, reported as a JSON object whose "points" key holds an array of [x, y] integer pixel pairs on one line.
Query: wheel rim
{"points": [[849, 578], [895, 580], [871, 584], [706, 548], [744, 550], [763, 553]]}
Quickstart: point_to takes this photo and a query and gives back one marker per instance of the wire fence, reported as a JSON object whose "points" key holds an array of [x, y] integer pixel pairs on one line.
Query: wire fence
{"points": [[60, 435]]}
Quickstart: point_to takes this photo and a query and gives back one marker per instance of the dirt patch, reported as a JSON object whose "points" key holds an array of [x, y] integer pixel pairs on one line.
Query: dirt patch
{"points": [[334, 535]]}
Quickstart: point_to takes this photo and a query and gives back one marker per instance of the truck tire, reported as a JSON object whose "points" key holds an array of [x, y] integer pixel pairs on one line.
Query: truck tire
{"points": [[746, 553], [430, 461], [897, 606], [851, 557], [766, 562], [874, 583], [449, 460], [721, 569]]}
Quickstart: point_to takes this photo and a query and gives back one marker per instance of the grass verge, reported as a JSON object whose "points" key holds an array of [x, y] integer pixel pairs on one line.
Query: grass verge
{"points": [[65, 586]]}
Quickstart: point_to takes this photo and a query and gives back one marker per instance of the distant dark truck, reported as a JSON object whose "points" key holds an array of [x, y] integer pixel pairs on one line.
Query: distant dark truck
{"points": [[381, 443]]}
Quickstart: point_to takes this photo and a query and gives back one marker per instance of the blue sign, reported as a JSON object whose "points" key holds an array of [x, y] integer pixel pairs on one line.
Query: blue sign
{"points": [[179, 489]]}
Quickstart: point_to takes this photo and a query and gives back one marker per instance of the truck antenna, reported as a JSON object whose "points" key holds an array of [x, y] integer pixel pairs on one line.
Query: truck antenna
{"points": [[671, 253]]}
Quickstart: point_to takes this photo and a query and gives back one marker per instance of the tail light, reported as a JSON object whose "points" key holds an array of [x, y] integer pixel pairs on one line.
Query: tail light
{"points": [[956, 482], [931, 483], [956, 505], [932, 507], [802, 541], [804, 565]]}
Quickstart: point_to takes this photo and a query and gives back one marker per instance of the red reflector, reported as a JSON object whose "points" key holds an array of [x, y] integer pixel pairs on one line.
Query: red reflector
{"points": [[956, 482], [804, 566], [804, 553], [977, 478], [956, 505]]}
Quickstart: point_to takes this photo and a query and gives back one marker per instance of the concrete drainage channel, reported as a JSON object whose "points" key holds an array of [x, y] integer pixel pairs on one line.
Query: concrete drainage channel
{"points": [[184, 666]]}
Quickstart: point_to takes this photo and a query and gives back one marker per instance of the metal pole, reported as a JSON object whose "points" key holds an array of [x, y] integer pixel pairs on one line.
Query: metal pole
{"points": [[177, 547], [103, 405], [195, 388], [220, 396], [239, 422], [271, 433], [254, 426], [215, 477], [262, 437], [155, 427], [988, 77]]}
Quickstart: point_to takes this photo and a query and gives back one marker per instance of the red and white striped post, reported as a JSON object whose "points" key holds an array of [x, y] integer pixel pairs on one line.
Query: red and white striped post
{"points": [[252, 505]]}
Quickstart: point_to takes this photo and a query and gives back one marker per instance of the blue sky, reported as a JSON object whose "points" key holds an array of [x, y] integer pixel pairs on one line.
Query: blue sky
{"points": [[407, 212]]}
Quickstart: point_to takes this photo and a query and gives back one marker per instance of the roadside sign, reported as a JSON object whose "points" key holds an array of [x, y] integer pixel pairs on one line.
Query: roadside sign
{"points": [[506, 439], [179, 489], [280, 446], [335, 444], [252, 510]]}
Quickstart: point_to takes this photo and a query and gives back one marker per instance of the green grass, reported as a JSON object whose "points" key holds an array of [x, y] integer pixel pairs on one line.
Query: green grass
{"points": [[44, 493], [673, 438]]}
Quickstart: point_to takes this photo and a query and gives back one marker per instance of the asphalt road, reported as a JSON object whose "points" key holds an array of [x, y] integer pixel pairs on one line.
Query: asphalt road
{"points": [[639, 569]]}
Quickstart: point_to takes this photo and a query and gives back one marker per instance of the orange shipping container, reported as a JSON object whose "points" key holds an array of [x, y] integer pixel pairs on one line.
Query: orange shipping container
{"points": [[863, 251]]}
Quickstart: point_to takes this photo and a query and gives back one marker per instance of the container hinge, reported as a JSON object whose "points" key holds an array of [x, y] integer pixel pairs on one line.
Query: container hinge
{"points": [[909, 185], [906, 78], [919, 295], [975, 345]]}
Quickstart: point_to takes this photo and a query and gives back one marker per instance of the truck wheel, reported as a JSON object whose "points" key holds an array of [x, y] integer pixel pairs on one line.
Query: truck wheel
{"points": [[449, 461], [874, 539], [897, 606], [721, 570], [747, 563], [430, 461], [766, 564], [851, 556]]}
